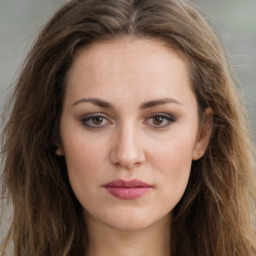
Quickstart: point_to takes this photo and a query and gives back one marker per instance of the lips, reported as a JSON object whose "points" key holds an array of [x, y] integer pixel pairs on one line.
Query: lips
{"points": [[127, 190]]}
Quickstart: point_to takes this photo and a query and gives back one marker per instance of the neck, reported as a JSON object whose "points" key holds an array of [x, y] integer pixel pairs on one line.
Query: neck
{"points": [[150, 241]]}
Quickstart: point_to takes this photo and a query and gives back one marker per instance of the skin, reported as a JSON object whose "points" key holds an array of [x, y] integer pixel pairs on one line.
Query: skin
{"points": [[130, 139]]}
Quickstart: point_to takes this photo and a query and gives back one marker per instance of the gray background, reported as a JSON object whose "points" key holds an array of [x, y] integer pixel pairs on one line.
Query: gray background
{"points": [[234, 21], [235, 24]]}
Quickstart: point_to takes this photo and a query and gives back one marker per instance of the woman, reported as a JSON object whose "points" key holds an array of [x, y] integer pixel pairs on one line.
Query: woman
{"points": [[126, 137]]}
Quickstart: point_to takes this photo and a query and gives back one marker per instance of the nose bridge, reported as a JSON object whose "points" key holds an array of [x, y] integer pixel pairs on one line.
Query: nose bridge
{"points": [[127, 150]]}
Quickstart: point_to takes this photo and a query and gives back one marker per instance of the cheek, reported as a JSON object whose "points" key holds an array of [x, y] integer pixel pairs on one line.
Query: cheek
{"points": [[174, 161], [178, 161], [83, 152], [174, 152], [84, 161]]}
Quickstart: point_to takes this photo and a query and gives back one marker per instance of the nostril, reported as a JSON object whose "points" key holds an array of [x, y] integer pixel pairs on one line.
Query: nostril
{"points": [[127, 155]]}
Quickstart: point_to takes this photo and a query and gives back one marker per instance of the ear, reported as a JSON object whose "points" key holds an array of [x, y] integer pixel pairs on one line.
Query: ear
{"points": [[59, 149], [204, 134]]}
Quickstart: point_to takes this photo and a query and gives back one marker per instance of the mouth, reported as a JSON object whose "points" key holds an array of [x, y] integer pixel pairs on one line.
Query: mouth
{"points": [[127, 190]]}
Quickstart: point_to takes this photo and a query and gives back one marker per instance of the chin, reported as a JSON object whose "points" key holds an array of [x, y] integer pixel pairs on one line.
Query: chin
{"points": [[132, 220]]}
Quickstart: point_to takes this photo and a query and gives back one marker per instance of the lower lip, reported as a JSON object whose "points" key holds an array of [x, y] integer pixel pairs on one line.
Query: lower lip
{"points": [[127, 193]]}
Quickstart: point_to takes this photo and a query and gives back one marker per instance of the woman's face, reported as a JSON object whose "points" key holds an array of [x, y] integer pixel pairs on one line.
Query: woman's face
{"points": [[129, 131]]}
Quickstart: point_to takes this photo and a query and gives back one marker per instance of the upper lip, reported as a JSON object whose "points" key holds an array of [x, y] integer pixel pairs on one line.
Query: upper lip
{"points": [[127, 183]]}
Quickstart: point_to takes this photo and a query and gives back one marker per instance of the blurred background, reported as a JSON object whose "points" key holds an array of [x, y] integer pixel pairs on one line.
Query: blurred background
{"points": [[234, 21], [235, 24]]}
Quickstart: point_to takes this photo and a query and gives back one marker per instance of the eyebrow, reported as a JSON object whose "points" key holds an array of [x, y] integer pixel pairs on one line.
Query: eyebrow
{"points": [[154, 103], [146, 105], [95, 101]]}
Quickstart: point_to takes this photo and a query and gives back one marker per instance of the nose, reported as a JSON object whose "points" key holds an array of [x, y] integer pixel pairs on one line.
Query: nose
{"points": [[127, 150]]}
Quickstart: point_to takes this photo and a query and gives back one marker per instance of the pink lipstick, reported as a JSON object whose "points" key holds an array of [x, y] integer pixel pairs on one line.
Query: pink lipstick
{"points": [[127, 190]]}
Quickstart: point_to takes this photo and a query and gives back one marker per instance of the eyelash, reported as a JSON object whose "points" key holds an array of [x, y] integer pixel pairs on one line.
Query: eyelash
{"points": [[166, 118], [89, 118]]}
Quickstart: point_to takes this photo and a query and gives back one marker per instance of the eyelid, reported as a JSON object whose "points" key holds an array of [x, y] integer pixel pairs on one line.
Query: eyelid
{"points": [[94, 115], [170, 119]]}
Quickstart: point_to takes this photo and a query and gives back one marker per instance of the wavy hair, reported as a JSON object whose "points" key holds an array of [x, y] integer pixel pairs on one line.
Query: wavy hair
{"points": [[215, 215]]}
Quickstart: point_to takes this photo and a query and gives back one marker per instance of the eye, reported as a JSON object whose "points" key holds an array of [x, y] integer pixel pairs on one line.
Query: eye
{"points": [[160, 120], [95, 121]]}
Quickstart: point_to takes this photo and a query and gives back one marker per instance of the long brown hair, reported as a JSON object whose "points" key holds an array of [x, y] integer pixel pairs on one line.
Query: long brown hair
{"points": [[214, 216]]}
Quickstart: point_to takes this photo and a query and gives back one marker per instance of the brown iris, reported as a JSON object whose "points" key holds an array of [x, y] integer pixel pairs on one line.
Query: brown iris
{"points": [[158, 120], [97, 120]]}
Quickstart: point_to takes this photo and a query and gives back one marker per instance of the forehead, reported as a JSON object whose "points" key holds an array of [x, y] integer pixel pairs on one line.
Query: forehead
{"points": [[128, 65], [125, 52]]}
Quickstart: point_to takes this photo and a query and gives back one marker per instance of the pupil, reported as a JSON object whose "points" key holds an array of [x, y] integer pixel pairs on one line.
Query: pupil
{"points": [[97, 120], [158, 120]]}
